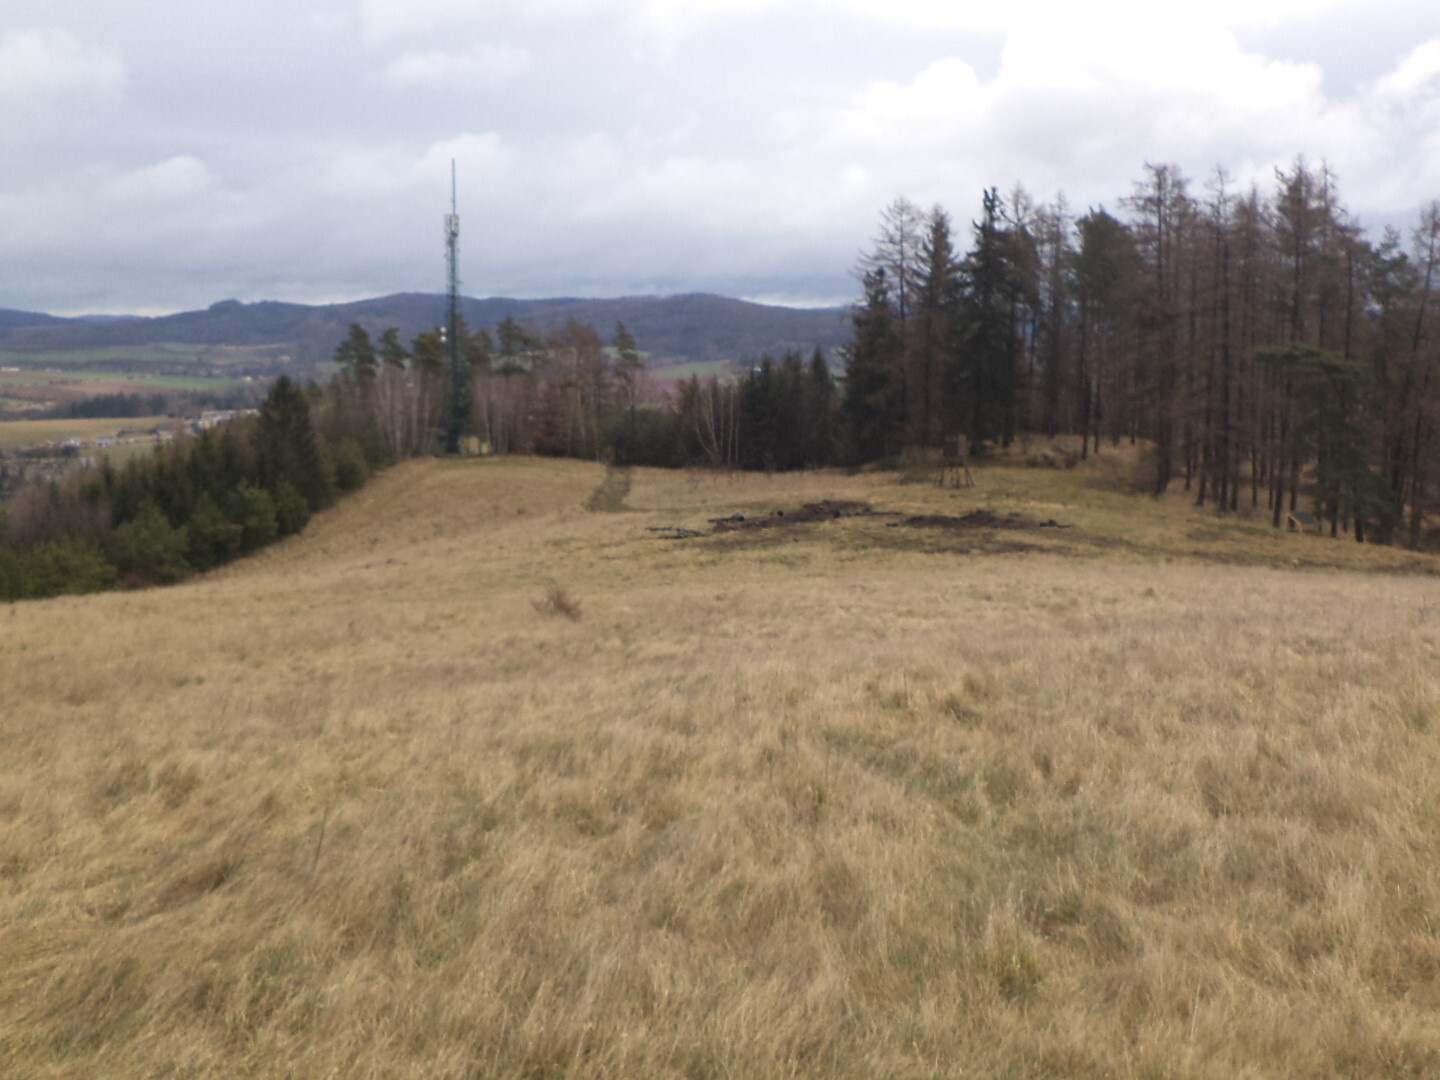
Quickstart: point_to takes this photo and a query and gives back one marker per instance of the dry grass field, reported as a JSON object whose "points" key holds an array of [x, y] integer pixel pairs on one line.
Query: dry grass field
{"points": [[470, 780]]}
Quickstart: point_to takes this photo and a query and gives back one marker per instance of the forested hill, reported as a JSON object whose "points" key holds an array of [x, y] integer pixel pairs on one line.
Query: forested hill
{"points": [[11, 320], [668, 329]]}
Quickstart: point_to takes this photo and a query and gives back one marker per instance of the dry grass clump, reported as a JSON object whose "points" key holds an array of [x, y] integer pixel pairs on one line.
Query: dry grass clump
{"points": [[557, 601], [814, 801]]}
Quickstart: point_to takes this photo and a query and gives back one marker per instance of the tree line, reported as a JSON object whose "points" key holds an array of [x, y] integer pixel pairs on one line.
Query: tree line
{"points": [[1270, 352], [570, 393], [192, 505]]}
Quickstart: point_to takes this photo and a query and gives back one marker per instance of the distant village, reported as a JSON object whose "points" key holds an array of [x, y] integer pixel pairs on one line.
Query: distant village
{"points": [[52, 460]]}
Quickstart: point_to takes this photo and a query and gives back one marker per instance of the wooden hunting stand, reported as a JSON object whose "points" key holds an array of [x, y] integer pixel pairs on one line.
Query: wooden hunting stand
{"points": [[1302, 522], [954, 472]]}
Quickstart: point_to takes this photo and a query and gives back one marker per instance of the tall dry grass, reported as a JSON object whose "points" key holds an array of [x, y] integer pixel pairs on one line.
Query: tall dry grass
{"points": [[837, 799]]}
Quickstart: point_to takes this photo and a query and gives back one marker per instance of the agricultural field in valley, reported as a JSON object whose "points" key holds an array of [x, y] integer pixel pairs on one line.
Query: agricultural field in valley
{"points": [[32, 381], [1034, 778], [45, 388], [20, 434], [126, 357], [703, 369]]}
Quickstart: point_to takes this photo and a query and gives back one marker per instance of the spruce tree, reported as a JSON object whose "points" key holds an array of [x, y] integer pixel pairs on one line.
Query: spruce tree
{"points": [[285, 446]]}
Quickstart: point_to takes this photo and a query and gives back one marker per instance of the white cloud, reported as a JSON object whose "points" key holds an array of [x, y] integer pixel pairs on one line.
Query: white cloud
{"points": [[175, 178], [385, 21], [1142, 57], [330, 21], [1077, 104], [43, 63], [662, 25], [1111, 14], [482, 67], [1417, 74], [670, 23], [365, 172], [1392, 152]]}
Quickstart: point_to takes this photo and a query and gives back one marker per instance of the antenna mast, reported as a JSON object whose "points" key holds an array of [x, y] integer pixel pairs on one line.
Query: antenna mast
{"points": [[459, 390]]}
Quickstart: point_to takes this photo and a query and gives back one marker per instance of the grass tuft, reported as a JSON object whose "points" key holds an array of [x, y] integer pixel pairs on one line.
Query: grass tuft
{"points": [[558, 601]]}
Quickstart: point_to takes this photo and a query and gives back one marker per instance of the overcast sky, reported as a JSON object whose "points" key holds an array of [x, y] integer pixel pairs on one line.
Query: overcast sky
{"points": [[159, 155]]}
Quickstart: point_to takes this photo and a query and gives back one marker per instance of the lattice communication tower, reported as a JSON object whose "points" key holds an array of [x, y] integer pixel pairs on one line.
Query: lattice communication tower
{"points": [[459, 397]]}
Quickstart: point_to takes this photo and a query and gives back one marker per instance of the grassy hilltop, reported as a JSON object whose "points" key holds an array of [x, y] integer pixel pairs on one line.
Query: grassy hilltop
{"points": [[470, 779]]}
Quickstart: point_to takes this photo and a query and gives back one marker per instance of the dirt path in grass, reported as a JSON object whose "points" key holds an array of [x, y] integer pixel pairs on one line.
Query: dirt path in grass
{"points": [[609, 497]]}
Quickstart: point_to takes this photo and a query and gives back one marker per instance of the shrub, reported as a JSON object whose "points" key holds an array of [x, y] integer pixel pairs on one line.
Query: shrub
{"points": [[212, 538], [53, 568], [149, 550], [372, 442], [292, 512], [253, 512], [351, 468]]}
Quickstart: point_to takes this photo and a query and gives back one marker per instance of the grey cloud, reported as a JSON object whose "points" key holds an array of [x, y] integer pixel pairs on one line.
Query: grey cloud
{"points": [[261, 151], [40, 63]]}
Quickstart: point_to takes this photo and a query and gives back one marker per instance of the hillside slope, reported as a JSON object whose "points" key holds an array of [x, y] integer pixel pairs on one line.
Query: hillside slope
{"points": [[471, 780], [12, 320], [669, 329]]}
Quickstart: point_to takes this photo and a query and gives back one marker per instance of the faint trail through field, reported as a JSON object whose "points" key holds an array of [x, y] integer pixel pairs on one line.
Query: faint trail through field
{"points": [[609, 497]]}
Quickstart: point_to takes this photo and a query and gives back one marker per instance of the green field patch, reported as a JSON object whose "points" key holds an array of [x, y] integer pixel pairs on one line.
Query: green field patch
{"points": [[34, 378], [105, 381], [209, 356]]}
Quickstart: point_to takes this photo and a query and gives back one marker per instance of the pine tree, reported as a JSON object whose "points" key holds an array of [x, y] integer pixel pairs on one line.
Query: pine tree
{"points": [[983, 381], [874, 387], [286, 449], [358, 359], [931, 339]]}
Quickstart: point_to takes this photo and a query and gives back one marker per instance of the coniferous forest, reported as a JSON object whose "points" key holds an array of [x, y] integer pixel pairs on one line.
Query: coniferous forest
{"points": [[194, 504], [1274, 355], [1269, 354]]}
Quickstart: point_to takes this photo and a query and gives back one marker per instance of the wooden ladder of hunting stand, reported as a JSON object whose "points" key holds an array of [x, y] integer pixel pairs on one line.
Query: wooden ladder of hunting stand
{"points": [[954, 472]]}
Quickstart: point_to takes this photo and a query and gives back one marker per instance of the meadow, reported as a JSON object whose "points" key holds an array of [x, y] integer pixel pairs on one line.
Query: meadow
{"points": [[470, 780]]}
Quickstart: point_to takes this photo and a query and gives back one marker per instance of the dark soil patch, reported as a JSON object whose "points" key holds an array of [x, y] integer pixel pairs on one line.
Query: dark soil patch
{"points": [[825, 510], [953, 541], [979, 528], [978, 519]]}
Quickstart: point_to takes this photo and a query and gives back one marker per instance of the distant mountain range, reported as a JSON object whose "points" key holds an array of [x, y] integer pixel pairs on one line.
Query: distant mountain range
{"points": [[670, 330]]}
